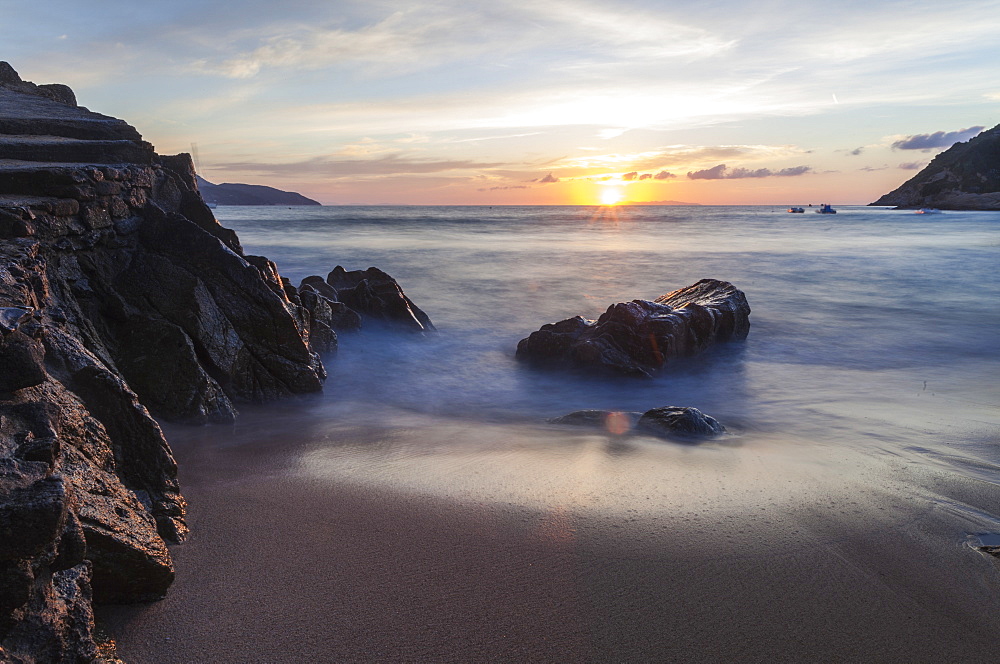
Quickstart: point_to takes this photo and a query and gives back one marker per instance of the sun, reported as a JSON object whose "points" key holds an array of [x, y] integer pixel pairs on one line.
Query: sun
{"points": [[612, 195]]}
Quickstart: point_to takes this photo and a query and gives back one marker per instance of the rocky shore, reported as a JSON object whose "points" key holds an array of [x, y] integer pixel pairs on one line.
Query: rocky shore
{"points": [[121, 299]]}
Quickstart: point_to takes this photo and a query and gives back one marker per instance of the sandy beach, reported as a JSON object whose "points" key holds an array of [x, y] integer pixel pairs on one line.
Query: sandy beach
{"points": [[463, 543]]}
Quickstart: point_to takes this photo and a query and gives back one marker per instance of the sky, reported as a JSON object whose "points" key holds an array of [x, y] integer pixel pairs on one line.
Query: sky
{"points": [[511, 102]]}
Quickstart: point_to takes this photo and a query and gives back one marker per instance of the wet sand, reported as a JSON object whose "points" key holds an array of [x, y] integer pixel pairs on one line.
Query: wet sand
{"points": [[444, 541]]}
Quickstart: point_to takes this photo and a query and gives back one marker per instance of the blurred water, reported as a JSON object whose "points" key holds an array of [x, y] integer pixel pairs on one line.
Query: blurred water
{"points": [[871, 312]]}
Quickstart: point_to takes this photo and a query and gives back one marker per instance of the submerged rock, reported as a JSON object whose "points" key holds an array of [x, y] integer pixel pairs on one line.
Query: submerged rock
{"points": [[679, 421], [638, 338], [667, 421]]}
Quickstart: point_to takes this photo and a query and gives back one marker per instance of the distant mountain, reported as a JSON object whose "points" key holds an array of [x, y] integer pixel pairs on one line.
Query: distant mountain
{"points": [[249, 194], [966, 176]]}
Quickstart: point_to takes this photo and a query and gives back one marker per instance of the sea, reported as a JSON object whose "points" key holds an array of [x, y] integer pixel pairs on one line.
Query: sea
{"points": [[862, 416], [872, 330], [869, 313]]}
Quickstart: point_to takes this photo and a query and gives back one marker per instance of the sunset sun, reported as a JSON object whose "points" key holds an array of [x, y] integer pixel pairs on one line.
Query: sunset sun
{"points": [[612, 195]]}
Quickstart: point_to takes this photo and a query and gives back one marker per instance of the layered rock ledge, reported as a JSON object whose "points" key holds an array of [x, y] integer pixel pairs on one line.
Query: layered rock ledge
{"points": [[121, 299], [640, 337]]}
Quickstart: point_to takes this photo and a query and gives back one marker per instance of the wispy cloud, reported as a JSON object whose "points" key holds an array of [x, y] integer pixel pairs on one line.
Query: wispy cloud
{"points": [[722, 172], [388, 165], [500, 188]]}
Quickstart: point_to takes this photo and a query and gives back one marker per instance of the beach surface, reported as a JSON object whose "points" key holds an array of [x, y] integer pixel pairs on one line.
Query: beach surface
{"points": [[435, 540]]}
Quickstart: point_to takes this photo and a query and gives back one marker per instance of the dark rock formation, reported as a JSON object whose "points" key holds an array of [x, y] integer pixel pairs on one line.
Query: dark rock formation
{"points": [[667, 421], [120, 296], [230, 193], [639, 337], [368, 294], [676, 421], [966, 176]]}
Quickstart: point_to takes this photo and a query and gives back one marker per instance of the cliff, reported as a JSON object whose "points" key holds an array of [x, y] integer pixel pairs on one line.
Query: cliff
{"points": [[121, 299], [966, 176], [230, 193]]}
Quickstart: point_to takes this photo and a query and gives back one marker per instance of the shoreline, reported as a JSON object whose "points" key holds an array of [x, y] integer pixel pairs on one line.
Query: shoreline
{"points": [[293, 560]]}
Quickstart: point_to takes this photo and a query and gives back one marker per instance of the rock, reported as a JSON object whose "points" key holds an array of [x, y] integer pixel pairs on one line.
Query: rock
{"points": [[376, 296], [341, 317], [121, 298], [680, 422], [322, 337], [667, 421], [638, 338], [966, 176], [21, 362], [319, 285], [12, 317]]}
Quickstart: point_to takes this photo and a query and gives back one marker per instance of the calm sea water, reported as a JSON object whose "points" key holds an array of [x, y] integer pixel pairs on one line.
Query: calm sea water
{"points": [[869, 313]]}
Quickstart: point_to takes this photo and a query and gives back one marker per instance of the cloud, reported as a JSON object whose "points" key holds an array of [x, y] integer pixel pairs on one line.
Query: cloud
{"points": [[664, 175], [548, 179], [513, 186], [646, 176], [939, 139], [628, 177], [856, 151], [911, 166], [393, 164], [721, 172]]}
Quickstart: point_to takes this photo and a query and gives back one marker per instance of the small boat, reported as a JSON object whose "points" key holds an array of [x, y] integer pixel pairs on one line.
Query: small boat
{"points": [[927, 211], [796, 209], [826, 208]]}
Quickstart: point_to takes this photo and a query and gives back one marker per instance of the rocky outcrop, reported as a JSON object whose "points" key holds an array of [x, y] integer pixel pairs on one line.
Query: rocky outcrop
{"points": [[966, 176], [121, 298], [640, 337], [374, 296], [230, 193]]}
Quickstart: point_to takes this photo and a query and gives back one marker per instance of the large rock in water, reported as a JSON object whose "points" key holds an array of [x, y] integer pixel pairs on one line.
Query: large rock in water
{"points": [[376, 296], [638, 338], [120, 296], [966, 176]]}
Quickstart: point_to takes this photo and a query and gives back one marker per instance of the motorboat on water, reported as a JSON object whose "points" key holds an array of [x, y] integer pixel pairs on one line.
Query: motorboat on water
{"points": [[826, 208], [927, 211], [796, 209]]}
